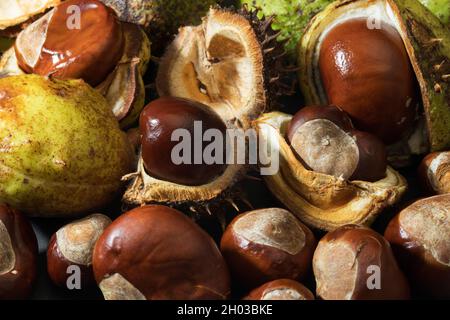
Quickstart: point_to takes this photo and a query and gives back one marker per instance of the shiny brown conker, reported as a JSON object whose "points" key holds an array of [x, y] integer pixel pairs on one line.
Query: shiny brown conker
{"points": [[267, 244], [18, 254], [367, 72], [420, 238], [356, 263], [82, 39], [281, 289], [72, 245], [155, 252], [159, 123], [323, 138]]}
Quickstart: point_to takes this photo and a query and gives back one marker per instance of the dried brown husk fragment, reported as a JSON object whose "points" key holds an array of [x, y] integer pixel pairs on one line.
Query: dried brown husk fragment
{"points": [[124, 88], [319, 200]]}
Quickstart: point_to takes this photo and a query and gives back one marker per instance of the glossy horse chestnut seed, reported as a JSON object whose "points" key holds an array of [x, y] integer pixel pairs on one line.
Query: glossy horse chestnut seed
{"points": [[356, 263], [155, 252], [66, 45], [158, 123], [267, 244], [72, 245], [18, 254], [367, 72], [324, 140], [434, 173], [420, 238], [281, 289]]}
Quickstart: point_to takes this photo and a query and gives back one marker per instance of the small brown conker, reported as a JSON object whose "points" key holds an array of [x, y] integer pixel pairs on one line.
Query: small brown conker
{"points": [[434, 173], [158, 123], [420, 239], [18, 255], [78, 39], [267, 244], [282, 289], [72, 245], [156, 253], [324, 140], [356, 263]]}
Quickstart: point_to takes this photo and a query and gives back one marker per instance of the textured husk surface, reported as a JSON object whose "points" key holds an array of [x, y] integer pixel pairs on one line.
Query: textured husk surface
{"points": [[323, 201]]}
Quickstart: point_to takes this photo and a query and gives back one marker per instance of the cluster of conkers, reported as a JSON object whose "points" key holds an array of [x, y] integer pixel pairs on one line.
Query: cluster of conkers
{"points": [[265, 253], [156, 251]]}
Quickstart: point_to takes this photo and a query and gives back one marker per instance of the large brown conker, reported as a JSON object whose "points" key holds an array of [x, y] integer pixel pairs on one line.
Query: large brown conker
{"points": [[325, 141], [267, 244], [356, 263], [367, 72], [420, 238], [158, 124], [155, 252], [18, 254], [79, 39]]}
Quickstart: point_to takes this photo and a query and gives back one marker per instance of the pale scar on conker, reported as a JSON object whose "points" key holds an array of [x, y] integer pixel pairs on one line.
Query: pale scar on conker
{"points": [[7, 255], [434, 173], [18, 255], [283, 232], [77, 239], [281, 289]]}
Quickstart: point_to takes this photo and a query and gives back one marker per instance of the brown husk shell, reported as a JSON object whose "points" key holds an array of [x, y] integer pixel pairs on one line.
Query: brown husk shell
{"points": [[319, 200]]}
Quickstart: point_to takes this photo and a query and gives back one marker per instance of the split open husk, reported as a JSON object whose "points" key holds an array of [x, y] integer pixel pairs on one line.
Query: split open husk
{"points": [[426, 40], [124, 88], [323, 201], [226, 63]]}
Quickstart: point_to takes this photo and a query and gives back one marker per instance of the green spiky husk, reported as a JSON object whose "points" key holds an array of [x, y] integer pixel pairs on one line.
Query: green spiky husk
{"points": [[291, 17], [441, 8]]}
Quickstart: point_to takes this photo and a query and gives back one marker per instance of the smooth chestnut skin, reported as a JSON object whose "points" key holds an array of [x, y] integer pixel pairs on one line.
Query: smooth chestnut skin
{"points": [[18, 254], [434, 173], [161, 254], [57, 266], [367, 72], [282, 289], [338, 150], [308, 113], [267, 244], [158, 121], [420, 239], [89, 53], [372, 157], [343, 263], [78, 239]]}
